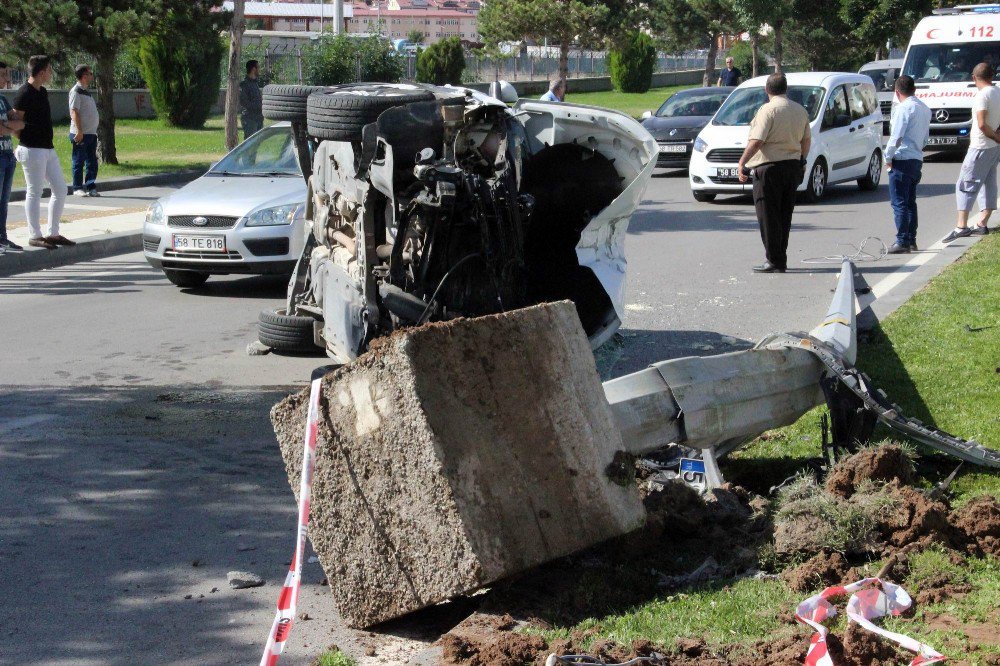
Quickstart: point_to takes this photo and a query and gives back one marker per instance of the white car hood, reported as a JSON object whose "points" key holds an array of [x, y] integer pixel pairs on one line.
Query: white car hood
{"points": [[725, 136], [234, 196]]}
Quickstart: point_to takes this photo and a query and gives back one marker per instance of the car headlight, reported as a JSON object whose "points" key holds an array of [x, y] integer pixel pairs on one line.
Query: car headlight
{"points": [[700, 145], [154, 214], [268, 217]]}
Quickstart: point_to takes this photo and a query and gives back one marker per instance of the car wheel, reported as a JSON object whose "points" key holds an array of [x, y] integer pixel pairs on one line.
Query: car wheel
{"points": [[339, 114], [282, 102], [284, 332], [703, 197], [816, 185], [872, 178], [186, 279]]}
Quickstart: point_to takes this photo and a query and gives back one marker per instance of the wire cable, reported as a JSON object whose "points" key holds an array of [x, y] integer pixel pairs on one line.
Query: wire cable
{"points": [[861, 253]]}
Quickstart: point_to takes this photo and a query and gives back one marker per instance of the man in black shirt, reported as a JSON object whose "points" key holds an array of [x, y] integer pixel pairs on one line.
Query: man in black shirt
{"points": [[37, 155], [731, 75]]}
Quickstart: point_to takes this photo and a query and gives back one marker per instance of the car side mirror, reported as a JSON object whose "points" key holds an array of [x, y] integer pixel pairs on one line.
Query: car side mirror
{"points": [[647, 114]]}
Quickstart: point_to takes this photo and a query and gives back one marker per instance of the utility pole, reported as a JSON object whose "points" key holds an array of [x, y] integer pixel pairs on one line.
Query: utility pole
{"points": [[236, 29], [338, 16]]}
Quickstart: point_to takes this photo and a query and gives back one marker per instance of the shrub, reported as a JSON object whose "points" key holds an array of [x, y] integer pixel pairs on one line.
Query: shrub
{"points": [[742, 56], [379, 61], [631, 65], [128, 69], [182, 67], [329, 61], [442, 62]]}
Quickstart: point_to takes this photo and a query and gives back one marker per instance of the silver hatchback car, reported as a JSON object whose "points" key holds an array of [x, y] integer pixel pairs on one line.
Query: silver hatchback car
{"points": [[244, 216]]}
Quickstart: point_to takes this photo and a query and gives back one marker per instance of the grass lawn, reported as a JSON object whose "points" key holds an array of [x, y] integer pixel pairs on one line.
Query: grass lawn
{"points": [[631, 103], [148, 146], [938, 356]]}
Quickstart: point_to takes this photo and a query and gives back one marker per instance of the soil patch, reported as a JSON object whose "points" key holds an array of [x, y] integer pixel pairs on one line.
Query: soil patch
{"points": [[979, 520], [883, 463], [819, 571]]}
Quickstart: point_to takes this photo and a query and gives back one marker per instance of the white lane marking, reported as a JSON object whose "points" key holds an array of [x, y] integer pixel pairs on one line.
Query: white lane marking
{"points": [[17, 423], [895, 278]]}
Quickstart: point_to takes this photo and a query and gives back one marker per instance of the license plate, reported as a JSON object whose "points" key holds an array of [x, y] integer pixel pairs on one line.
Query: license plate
{"points": [[942, 141], [200, 243], [692, 472], [734, 172], [673, 148]]}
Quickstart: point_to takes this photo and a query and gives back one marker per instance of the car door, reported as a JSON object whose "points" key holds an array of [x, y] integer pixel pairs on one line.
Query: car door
{"points": [[836, 133], [865, 123]]}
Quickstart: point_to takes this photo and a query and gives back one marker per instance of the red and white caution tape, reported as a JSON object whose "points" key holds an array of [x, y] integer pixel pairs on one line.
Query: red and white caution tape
{"points": [[871, 598], [289, 598]]}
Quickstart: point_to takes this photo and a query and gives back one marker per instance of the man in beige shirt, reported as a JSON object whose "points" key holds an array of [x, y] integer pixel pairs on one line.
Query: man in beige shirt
{"points": [[779, 139]]}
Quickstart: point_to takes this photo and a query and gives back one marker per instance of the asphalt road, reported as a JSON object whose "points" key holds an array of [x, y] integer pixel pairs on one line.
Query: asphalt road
{"points": [[139, 462]]}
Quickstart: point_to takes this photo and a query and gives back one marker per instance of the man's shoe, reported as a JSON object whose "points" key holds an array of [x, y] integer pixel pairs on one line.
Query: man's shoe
{"points": [[12, 246], [956, 234], [913, 247], [899, 249], [767, 267], [80, 193], [980, 231], [59, 240], [41, 242], [93, 193]]}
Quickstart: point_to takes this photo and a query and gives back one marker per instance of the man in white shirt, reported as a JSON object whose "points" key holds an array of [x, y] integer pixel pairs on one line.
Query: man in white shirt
{"points": [[556, 93], [978, 177], [83, 121]]}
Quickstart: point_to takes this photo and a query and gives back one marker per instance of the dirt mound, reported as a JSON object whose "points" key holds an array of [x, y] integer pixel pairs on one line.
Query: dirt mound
{"points": [[979, 520], [916, 519], [787, 651], [817, 572], [489, 641], [883, 463], [858, 647]]}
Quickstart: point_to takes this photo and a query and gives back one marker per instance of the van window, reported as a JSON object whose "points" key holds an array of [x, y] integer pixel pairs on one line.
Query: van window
{"points": [[837, 113], [740, 107], [863, 100]]}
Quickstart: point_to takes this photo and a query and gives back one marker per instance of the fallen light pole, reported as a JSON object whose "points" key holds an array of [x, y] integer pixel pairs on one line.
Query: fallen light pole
{"points": [[456, 454]]}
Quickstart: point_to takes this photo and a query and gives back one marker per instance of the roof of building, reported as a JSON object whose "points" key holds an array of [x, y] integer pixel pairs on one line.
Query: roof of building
{"points": [[361, 10], [289, 9]]}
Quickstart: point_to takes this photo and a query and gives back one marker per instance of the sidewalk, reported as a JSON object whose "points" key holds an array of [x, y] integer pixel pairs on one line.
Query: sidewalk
{"points": [[96, 237], [127, 182]]}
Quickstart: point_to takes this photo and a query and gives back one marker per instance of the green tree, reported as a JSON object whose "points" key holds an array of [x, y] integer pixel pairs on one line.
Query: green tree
{"points": [[415, 36], [818, 38], [686, 24], [753, 15], [329, 60], [875, 22], [631, 64], [100, 28], [379, 61], [181, 64], [561, 21], [442, 62]]}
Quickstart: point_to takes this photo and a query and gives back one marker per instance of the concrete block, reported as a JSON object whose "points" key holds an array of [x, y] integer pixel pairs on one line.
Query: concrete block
{"points": [[456, 454]]}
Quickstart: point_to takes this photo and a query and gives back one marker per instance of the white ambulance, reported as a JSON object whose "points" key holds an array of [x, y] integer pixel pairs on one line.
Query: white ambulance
{"points": [[943, 50]]}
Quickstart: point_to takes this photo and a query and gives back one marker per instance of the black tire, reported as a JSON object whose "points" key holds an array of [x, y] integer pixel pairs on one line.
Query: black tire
{"points": [[186, 279], [817, 182], [287, 102], [873, 177], [703, 197], [339, 114], [283, 332]]}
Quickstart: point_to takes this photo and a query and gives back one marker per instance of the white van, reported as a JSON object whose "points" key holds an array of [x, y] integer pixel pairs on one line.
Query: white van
{"points": [[846, 135], [943, 50], [883, 73]]}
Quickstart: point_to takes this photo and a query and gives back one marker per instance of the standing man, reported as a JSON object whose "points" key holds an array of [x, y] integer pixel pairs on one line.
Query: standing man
{"points": [[731, 75], [251, 100], [978, 175], [904, 159], [779, 141], [557, 91], [83, 133], [37, 155], [9, 124]]}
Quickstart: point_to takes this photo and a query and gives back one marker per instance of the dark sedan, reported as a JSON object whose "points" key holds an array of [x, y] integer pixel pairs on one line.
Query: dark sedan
{"points": [[679, 119]]}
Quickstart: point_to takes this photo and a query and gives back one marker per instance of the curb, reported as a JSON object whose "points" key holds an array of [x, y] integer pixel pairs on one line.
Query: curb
{"points": [[128, 182], [94, 247]]}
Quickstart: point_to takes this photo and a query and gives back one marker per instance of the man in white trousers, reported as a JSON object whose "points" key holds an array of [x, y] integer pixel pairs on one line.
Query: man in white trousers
{"points": [[37, 155]]}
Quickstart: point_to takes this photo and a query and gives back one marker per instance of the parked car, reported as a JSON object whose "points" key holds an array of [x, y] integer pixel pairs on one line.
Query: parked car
{"points": [[883, 74], [845, 121], [244, 216], [676, 124]]}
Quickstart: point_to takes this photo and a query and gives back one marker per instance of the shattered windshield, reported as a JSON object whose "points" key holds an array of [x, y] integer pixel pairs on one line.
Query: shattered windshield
{"points": [[943, 63], [741, 106]]}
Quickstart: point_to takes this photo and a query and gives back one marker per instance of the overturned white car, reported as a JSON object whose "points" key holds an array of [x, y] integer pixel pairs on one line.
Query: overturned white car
{"points": [[428, 203]]}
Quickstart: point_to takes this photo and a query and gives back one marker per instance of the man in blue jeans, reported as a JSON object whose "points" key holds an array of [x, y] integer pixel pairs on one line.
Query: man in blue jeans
{"points": [[904, 158], [83, 122], [9, 124]]}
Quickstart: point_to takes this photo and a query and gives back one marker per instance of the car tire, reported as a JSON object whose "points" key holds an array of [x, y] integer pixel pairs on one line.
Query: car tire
{"points": [[817, 182], [186, 279], [339, 114], [284, 332], [282, 102], [873, 176], [703, 197]]}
